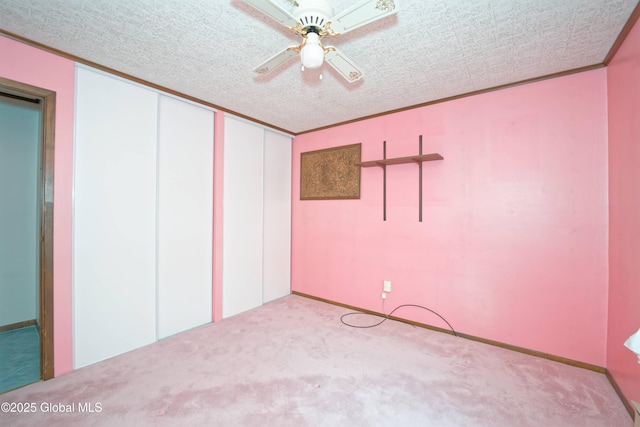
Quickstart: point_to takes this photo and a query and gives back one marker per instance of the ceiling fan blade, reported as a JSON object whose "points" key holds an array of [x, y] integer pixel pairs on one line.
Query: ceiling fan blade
{"points": [[276, 60], [343, 65], [363, 13], [273, 11]]}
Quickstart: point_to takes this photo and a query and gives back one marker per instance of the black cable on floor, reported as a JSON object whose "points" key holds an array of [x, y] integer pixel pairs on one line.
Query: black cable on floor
{"points": [[386, 317]]}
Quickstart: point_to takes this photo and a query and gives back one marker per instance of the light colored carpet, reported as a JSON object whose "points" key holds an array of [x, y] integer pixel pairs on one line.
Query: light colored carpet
{"points": [[292, 363], [19, 358]]}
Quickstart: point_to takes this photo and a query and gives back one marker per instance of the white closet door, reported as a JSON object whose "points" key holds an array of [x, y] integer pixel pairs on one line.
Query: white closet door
{"points": [[277, 216], [185, 216], [114, 217], [242, 213]]}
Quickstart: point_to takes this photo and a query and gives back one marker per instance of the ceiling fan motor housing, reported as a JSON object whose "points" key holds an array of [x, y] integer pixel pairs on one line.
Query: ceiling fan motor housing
{"points": [[313, 15]]}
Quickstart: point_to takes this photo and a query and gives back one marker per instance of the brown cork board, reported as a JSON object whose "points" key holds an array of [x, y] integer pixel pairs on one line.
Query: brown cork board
{"points": [[332, 173]]}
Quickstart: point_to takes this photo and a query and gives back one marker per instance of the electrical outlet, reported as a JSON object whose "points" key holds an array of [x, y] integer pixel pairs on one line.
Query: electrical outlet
{"points": [[384, 295], [386, 286]]}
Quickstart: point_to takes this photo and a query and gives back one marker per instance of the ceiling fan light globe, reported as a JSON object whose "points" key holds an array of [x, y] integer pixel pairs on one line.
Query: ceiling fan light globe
{"points": [[312, 53], [312, 56]]}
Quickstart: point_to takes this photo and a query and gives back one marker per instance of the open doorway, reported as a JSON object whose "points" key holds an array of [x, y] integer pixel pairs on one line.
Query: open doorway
{"points": [[26, 248]]}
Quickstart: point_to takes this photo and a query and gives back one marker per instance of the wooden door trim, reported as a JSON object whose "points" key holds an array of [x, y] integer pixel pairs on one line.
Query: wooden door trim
{"points": [[48, 100]]}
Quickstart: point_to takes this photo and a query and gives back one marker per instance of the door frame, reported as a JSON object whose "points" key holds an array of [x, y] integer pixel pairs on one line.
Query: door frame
{"points": [[47, 99]]}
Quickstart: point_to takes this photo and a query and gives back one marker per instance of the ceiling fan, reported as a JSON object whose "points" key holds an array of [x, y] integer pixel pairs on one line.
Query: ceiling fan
{"points": [[313, 20]]}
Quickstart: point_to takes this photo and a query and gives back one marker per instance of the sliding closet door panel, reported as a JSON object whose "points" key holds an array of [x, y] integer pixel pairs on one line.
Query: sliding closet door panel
{"points": [[114, 217], [242, 212], [277, 216], [185, 216]]}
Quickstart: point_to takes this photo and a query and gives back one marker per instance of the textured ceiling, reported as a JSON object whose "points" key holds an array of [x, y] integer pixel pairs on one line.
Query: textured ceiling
{"points": [[429, 50]]}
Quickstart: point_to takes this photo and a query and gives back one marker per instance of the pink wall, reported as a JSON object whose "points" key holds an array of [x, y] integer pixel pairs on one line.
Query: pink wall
{"points": [[217, 214], [624, 212], [38, 68], [513, 243]]}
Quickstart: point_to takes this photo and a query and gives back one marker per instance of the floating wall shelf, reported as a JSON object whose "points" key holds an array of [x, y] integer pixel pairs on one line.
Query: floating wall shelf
{"points": [[384, 162]]}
